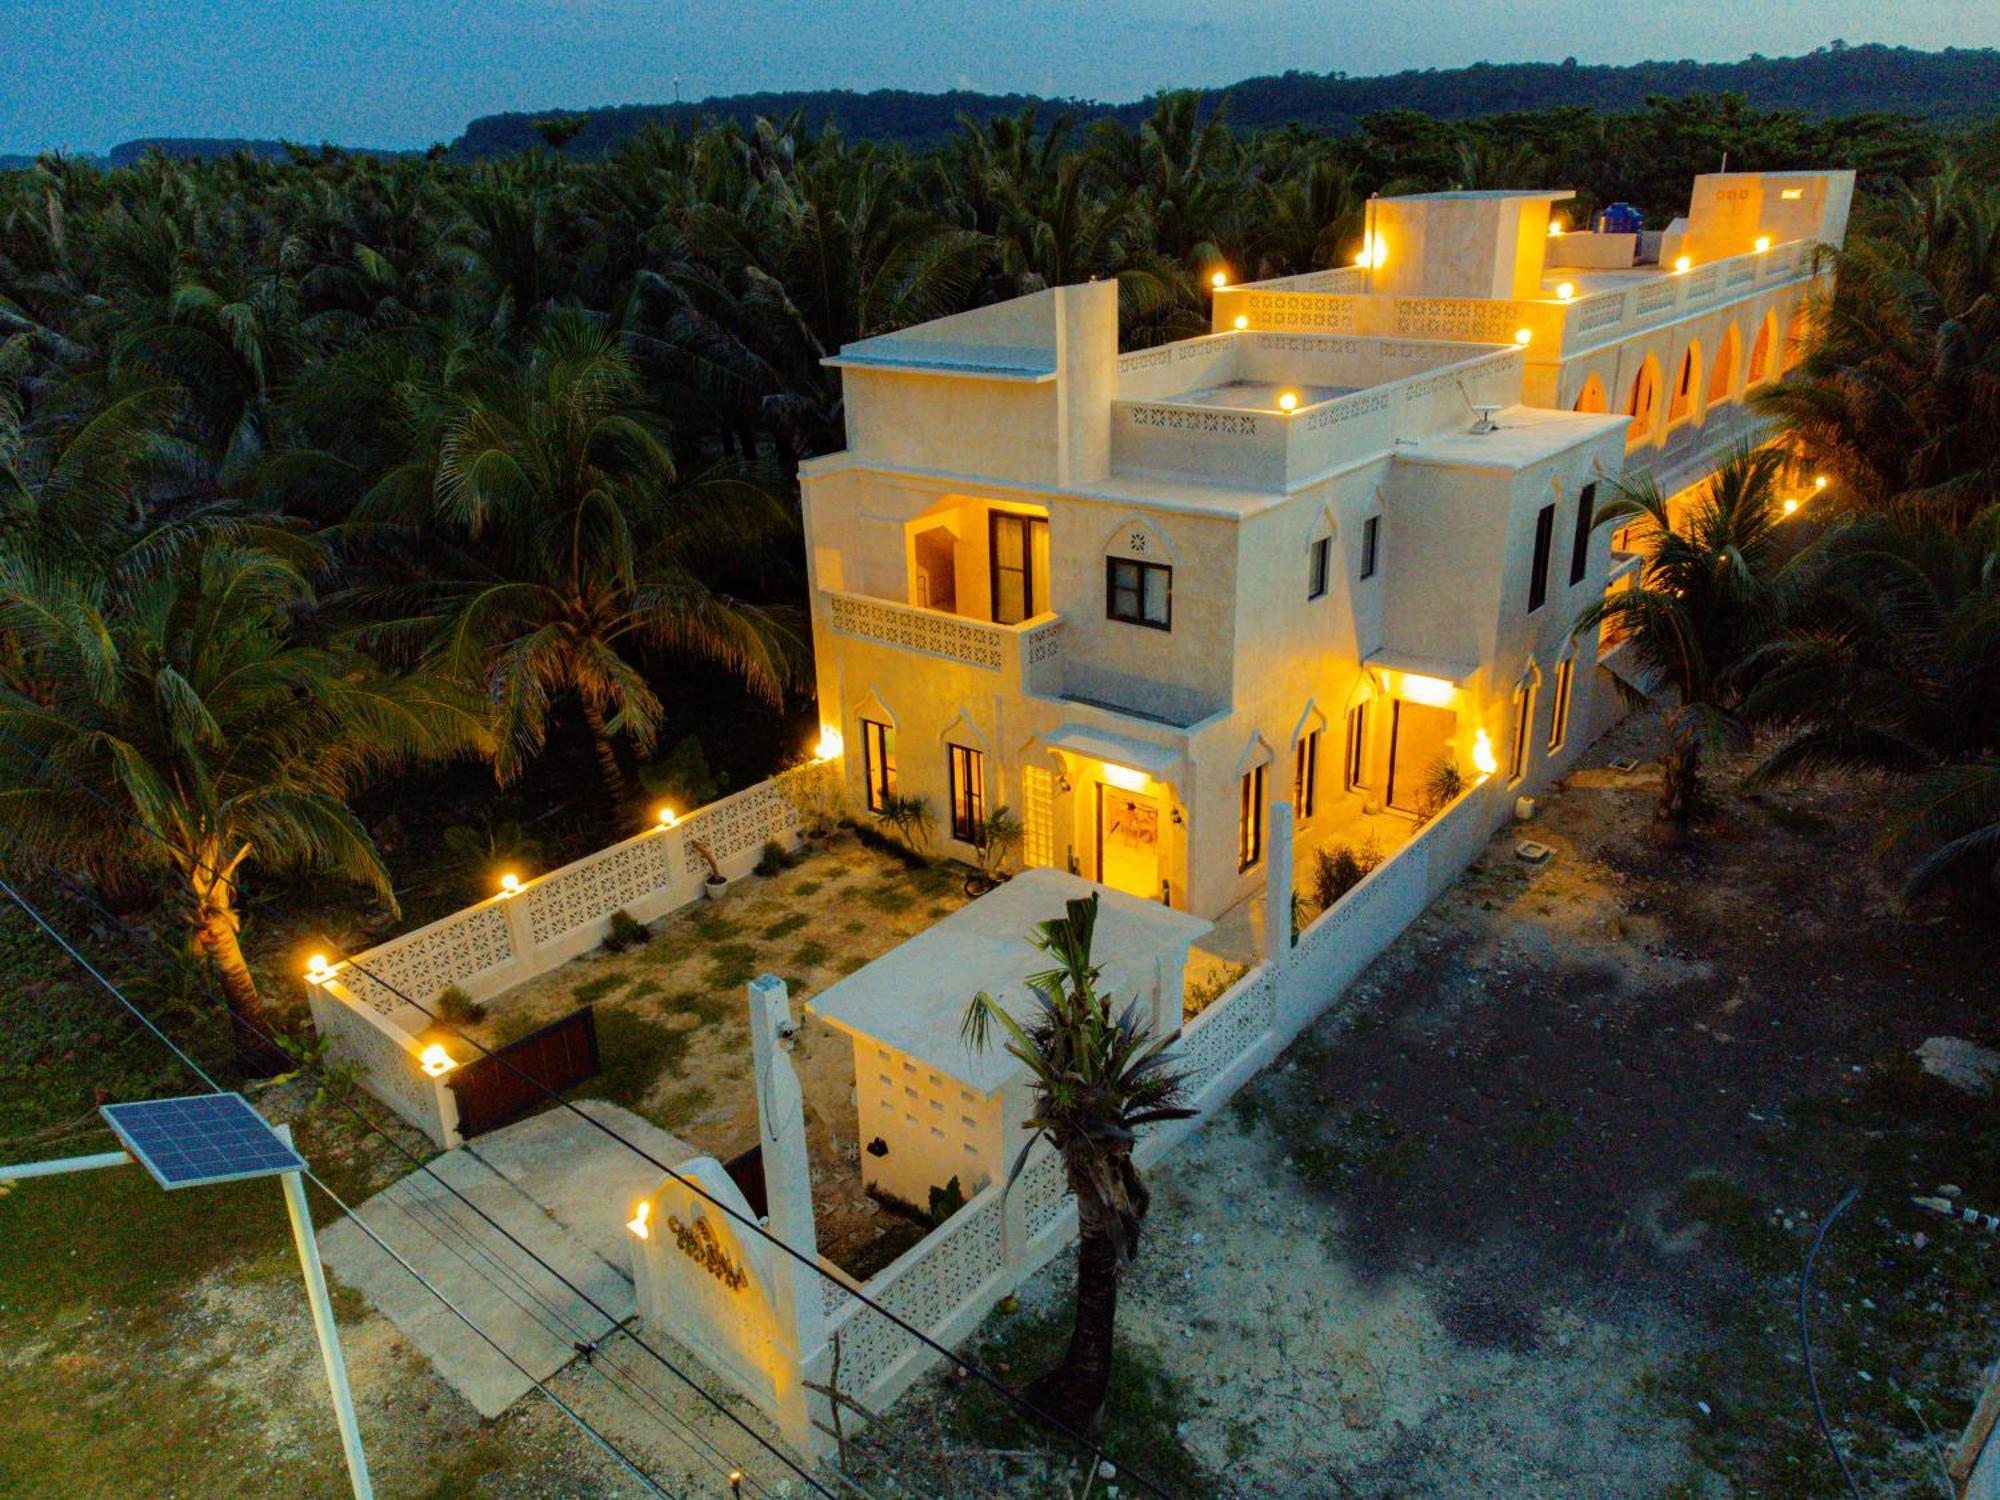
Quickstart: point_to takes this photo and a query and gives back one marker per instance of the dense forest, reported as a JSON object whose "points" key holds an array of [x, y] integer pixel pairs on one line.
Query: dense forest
{"points": [[318, 472]]}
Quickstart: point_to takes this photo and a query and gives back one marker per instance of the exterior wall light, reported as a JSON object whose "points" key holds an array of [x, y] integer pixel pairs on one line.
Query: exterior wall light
{"points": [[829, 746], [666, 817], [435, 1060], [1242, 321], [1125, 778], [1790, 506], [1524, 336], [1565, 290], [638, 1224], [1288, 401], [1373, 252], [1219, 280], [509, 883], [1555, 227], [1763, 243], [1483, 759], [1819, 481], [1682, 263], [317, 968], [1432, 692]]}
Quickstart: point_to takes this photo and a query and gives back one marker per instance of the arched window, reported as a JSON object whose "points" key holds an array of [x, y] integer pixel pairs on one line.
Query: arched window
{"points": [[1798, 333], [1591, 398], [1681, 405], [1760, 352], [1644, 403], [1724, 378]]}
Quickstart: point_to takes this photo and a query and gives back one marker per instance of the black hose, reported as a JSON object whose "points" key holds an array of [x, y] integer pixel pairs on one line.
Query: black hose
{"points": [[1805, 1338]]}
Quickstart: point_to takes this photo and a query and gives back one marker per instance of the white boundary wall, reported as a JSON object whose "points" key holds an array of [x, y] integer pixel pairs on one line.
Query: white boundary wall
{"points": [[947, 1283], [362, 1011]]}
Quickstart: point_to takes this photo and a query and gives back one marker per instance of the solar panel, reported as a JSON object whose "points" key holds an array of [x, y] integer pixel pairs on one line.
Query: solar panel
{"points": [[201, 1139]]}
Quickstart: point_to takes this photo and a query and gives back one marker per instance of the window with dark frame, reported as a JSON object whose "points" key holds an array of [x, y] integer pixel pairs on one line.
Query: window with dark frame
{"points": [[1559, 716], [1357, 747], [1014, 540], [1305, 773], [878, 763], [1250, 827], [1139, 593], [1524, 717], [1318, 561], [1371, 535], [1579, 550], [968, 792], [1545, 537]]}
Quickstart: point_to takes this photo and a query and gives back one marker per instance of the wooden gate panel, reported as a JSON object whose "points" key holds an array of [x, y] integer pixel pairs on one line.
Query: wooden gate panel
{"points": [[503, 1084]]}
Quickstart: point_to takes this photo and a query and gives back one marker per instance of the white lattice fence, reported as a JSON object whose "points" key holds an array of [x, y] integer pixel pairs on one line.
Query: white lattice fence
{"points": [[355, 1034], [592, 889], [1226, 1031], [455, 950]]}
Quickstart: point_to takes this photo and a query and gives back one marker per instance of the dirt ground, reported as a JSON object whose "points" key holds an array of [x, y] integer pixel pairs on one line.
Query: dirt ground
{"points": [[1522, 1215]]}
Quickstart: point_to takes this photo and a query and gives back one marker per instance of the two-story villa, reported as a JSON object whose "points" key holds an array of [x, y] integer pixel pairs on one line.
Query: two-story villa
{"points": [[1314, 556]]}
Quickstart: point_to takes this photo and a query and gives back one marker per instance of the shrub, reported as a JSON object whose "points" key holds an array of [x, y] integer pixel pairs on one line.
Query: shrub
{"points": [[774, 857], [912, 819], [1442, 784], [626, 931], [454, 1004], [1340, 868], [683, 777], [946, 1201]]}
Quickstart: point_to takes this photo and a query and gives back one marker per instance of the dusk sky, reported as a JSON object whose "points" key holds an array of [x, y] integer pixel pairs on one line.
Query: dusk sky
{"points": [[85, 74]]}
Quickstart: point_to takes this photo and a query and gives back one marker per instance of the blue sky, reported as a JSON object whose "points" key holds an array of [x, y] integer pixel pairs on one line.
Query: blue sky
{"points": [[398, 73]]}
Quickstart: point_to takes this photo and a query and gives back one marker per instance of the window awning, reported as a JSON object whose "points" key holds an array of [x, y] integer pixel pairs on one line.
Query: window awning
{"points": [[1161, 762], [1389, 659]]}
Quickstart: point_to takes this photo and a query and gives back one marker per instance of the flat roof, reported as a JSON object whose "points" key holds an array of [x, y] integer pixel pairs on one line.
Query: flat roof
{"points": [[1546, 195], [913, 998], [1522, 435], [898, 351]]}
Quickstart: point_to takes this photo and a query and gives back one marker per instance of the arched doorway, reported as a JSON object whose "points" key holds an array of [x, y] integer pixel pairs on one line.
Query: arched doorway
{"points": [[1591, 398], [1722, 382], [1644, 403], [1760, 352], [1687, 381]]}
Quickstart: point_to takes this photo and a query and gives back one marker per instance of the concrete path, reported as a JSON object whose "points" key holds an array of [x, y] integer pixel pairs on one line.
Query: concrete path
{"points": [[560, 1187]]}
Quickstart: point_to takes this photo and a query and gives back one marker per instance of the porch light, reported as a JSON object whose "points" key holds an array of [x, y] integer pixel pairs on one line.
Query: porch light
{"points": [[1373, 252], [1524, 336], [666, 818], [509, 883], [1432, 692], [829, 746], [1125, 778], [1682, 263], [1819, 481], [1288, 401], [317, 969], [1219, 280], [1791, 195], [1763, 243], [436, 1061], [637, 1223], [1790, 506], [1555, 226], [1242, 321], [1565, 290], [1483, 759]]}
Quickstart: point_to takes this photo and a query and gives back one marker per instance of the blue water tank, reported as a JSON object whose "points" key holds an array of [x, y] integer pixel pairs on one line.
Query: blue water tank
{"points": [[1619, 218]]}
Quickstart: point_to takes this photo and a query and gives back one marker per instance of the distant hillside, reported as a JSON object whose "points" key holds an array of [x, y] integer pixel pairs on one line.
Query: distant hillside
{"points": [[1953, 87], [186, 148]]}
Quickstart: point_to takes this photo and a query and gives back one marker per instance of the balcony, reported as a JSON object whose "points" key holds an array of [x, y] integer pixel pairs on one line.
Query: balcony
{"points": [[1027, 656]]}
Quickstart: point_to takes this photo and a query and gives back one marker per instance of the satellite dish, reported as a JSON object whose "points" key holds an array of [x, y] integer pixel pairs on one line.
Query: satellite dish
{"points": [[1483, 416]]}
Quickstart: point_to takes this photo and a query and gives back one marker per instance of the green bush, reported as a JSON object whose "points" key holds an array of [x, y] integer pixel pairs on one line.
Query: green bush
{"points": [[626, 931], [774, 857], [946, 1201], [1339, 869], [454, 1004]]}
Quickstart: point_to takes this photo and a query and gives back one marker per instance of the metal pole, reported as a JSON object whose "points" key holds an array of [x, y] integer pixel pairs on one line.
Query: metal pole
{"points": [[64, 1164], [300, 1213]]}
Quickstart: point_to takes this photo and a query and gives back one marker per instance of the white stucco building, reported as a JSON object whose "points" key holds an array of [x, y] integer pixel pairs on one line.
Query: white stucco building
{"points": [[1307, 557]]}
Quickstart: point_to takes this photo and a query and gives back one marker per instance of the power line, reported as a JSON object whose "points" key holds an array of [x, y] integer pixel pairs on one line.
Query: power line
{"points": [[312, 1177], [727, 1464], [747, 1221]]}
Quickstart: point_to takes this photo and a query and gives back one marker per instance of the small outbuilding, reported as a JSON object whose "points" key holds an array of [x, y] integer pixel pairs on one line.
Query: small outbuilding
{"points": [[930, 1108]]}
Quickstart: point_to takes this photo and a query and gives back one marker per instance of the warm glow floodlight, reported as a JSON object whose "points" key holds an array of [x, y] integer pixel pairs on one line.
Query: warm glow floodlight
{"points": [[1124, 777], [1683, 262], [1432, 692], [1242, 321], [1819, 481], [666, 818], [1790, 506], [316, 967], [1219, 280], [829, 745], [1373, 252], [638, 1222], [509, 883], [435, 1060], [1565, 290], [1524, 336], [1555, 226], [1483, 758], [1288, 401], [1763, 243]]}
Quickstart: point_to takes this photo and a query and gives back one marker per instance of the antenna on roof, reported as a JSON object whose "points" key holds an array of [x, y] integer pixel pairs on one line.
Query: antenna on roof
{"points": [[1482, 411]]}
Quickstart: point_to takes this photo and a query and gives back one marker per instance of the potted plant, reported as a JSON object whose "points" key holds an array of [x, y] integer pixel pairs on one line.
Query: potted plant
{"points": [[717, 882], [994, 840]]}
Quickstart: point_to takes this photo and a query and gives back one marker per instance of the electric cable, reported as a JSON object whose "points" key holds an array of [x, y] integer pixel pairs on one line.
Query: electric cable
{"points": [[1805, 1339]]}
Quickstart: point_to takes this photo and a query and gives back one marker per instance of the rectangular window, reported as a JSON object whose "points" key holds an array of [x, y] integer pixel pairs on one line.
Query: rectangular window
{"points": [[1579, 550], [878, 763], [1317, 559], [1305, 773], [968, 792], [1545, 537], [1357, 747], [1524, 716], [1371, 535], [1139, 593], [1559, 720], [1017, 542], [1250, 827]]}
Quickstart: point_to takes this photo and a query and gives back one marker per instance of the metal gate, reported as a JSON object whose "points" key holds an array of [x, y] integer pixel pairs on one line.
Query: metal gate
{"points": [[495, 1088]]}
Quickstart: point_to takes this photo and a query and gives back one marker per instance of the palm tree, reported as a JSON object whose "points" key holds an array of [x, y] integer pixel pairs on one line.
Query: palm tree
{"points": [[214, 738], [1893, 667], [1098, 1078], [1705, 597], [579, 553]]}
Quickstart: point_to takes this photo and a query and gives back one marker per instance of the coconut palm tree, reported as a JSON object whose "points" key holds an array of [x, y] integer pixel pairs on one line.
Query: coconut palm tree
{"points": [[216, 739], [1704, 599], [573, 554], [1098, 1078]]}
